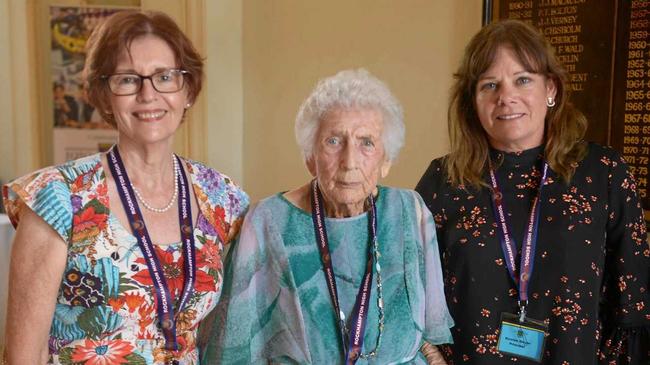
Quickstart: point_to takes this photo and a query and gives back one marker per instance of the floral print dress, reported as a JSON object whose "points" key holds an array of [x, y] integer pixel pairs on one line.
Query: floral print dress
{"points": [[592, 261], [105, 311]]}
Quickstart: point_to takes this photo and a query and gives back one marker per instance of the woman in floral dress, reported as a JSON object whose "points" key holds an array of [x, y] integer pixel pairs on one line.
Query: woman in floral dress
{"points": [[118, 255], [542, 234]]}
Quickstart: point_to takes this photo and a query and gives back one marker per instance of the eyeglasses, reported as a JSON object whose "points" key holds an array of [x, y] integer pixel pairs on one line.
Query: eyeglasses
{"points": [[165, 81]]}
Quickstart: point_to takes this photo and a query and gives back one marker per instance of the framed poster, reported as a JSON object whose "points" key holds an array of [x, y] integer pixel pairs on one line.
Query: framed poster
{"points": [[78, 130], [605, 46]]}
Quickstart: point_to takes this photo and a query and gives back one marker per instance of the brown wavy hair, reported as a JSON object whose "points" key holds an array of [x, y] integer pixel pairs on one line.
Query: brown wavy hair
{"points": [[116, 34], [565, 125]]}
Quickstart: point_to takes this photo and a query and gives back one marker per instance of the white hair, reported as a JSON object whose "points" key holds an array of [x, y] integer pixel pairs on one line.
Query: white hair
{"points": [[350, 89]]}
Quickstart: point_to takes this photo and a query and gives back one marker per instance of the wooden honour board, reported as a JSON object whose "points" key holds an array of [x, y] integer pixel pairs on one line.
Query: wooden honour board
{"points": [[605, 46]]}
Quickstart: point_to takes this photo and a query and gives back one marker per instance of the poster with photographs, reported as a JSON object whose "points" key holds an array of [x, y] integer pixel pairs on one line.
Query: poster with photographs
{"points": [[78, 128]]}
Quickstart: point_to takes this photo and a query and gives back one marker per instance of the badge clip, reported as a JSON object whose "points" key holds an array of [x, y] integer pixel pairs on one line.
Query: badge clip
{"points": [[522, 310]]}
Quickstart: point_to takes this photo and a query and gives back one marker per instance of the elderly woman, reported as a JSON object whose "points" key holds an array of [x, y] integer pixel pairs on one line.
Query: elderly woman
{"points": [[129, 273], [542, 234], [339, 270]]}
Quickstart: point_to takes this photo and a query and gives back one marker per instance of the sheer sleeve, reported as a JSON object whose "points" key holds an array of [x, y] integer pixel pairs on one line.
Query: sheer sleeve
{"points": [[47, 194], [258, 318], [625, 309], [437, 320]]}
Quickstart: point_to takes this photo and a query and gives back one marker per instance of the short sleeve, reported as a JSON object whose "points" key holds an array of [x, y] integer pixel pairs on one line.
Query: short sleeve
{"points": [[239, 207], [626, 309], [47, 194], [222, 202]]}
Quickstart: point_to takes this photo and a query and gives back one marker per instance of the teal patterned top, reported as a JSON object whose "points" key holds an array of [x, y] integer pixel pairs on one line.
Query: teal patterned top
{"points": [[276, 302], [105, 312]]}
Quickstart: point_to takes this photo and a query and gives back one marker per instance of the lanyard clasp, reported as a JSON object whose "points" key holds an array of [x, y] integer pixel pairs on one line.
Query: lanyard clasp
{"points": [[522, 310]]}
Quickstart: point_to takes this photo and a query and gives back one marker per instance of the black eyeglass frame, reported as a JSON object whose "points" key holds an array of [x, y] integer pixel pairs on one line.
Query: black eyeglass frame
{"points": [[142, 78]]}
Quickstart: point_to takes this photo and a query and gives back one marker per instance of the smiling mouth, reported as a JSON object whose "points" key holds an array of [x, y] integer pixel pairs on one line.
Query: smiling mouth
{"points": [[510, 116], [150, 116]]}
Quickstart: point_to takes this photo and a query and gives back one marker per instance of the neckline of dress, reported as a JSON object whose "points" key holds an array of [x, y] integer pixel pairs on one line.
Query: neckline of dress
{"points": [[520, 159], [380, 190], [104, 179]]}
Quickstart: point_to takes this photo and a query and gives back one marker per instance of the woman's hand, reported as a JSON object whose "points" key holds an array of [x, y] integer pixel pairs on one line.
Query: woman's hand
{"points": [[38, 259], [432, 354]]}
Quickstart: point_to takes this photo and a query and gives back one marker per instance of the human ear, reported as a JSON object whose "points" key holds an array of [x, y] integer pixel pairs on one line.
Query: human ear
{"points": [[385, 168], [311, 166], [551, 88]]}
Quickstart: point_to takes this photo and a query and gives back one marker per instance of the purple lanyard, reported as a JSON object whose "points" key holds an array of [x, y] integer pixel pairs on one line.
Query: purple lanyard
{"points": [[164, 303], [508, 243], [360, 311]]}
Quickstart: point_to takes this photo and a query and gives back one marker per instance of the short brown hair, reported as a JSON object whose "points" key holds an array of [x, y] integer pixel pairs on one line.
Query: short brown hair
{"points": [[565, 126], [116, 34]]}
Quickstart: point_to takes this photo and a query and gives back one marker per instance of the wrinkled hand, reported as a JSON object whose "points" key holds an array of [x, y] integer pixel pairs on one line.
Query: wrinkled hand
{"points": [[432, 354]]}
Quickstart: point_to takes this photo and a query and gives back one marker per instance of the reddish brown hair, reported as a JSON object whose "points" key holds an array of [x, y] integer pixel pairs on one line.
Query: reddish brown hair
{"points": [[565, 126], [116, 33]]}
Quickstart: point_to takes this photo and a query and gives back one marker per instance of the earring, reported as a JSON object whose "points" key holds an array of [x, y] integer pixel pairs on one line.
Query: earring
{"points": [[550, 102], [188, 105]]}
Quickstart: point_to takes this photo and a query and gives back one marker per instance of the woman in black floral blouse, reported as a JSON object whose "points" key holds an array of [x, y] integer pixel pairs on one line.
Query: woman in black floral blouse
{"points": [[582, 295]]}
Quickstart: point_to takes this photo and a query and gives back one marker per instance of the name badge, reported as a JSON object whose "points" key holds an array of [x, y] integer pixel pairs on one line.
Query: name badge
{"points": [[522, 339]]}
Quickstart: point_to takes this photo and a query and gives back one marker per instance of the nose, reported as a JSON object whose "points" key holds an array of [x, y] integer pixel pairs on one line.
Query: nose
{"points": [[349, 156], [147, 92], [506, 94]]}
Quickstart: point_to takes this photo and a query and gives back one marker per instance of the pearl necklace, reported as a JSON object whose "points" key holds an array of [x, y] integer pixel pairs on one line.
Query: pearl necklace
{"points": [[174, 195]]}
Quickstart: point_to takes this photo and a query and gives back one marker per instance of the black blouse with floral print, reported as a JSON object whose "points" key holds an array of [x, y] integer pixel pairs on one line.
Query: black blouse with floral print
{"points": [[592, 261]]}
